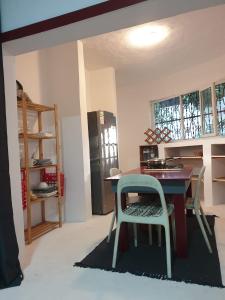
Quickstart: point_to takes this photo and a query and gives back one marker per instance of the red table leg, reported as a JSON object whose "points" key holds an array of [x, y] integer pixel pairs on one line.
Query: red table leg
{"points": [[181, 227], [123, 239], [189, 191], [189, 212]]}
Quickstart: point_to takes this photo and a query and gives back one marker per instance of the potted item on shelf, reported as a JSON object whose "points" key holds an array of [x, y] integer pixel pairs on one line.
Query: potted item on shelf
{"points": [[21, 95]]}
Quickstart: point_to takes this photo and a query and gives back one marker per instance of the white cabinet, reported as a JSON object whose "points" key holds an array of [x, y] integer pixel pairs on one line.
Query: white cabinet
{"points": [[195, 153], [218, 172]]}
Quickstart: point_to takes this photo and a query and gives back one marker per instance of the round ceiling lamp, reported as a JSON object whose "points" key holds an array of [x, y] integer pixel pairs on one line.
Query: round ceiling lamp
{"points": [[147, 35]]}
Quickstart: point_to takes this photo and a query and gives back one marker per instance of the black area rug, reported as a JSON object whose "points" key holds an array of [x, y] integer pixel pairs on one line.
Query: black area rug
{"points": [[200, 267]]}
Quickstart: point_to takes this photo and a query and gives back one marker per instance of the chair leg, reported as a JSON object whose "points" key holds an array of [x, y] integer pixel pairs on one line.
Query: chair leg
{"points": [[116, 245], [203, 230], [135, 234], [150, 234], [205, 221], [173, 230], [159, 231], [111, 226], [168, 252]]}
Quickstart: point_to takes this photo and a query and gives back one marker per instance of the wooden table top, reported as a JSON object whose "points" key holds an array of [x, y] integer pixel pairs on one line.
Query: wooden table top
{"points": [[181, 174]]}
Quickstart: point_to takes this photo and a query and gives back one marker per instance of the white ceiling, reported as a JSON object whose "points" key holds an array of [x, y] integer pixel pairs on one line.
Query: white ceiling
{"points": [[195, 38]]}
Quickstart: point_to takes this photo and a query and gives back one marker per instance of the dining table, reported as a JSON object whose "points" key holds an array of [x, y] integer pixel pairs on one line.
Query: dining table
{"points": [[177, 184]]}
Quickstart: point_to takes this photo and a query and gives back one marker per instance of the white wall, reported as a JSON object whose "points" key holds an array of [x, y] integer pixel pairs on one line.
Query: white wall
{"points": [[28, 73], [63, 83], [53, 76], [101, 90], [15, 15], [134, 115]]}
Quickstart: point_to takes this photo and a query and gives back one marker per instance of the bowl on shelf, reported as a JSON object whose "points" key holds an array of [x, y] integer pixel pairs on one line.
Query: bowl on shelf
{"points": [[43, 185]]}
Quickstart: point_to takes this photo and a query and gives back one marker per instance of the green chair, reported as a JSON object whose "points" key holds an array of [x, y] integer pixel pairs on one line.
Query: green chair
{"points": [[194, 204], [112, 172], [141, 213]]}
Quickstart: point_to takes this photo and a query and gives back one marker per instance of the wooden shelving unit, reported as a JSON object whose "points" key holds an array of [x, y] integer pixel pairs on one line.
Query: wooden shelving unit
{"points": [[33, 232], [147, 152]]}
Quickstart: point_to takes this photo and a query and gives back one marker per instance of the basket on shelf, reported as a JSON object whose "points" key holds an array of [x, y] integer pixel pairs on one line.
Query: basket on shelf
{"points": [[51, 179]]}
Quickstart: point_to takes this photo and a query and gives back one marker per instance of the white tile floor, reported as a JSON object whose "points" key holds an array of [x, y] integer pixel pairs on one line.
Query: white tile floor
{"points": [[49, 272]]}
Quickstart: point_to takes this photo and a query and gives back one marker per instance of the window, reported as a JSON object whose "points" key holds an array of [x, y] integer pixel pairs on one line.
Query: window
{"points": [[190, 116], [167, 114], [207, 114], [220, 107]]}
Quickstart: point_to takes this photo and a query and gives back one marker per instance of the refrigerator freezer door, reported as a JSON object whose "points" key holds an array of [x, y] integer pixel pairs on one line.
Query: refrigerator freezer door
{"points": [[103, 155]]}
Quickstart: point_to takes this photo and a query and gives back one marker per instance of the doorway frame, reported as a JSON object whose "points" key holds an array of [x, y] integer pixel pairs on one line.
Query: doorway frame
{"points": [[22, 41]]}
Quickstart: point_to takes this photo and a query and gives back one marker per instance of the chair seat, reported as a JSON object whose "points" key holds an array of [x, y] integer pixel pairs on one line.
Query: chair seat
{"points": [[150, 210], [189, 203]]}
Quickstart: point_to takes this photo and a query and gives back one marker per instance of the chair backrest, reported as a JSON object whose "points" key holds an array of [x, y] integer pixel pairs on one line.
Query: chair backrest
{"points": [[198, 188], [140, 183], [114, 171]]}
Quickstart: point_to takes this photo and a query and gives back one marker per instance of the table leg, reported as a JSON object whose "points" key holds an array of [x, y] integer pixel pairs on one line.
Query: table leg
{"points": [[123, 239], [189, 190], [189, 212], [181, 227]]}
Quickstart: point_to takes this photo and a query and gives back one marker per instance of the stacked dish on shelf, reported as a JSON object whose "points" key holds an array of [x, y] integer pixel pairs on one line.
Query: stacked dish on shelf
{"points": [[42, 162], [43, 190]]}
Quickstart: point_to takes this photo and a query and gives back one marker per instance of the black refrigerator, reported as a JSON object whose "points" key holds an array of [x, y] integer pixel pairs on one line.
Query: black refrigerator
{"points": [[103, 156]]}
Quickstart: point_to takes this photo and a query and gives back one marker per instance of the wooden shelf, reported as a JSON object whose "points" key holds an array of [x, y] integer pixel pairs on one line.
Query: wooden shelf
{"points": [[35, 107], [42, 167], [219, 179], [41, 229], [187, 157], [42, 199], [32, 136], [218, 156]]}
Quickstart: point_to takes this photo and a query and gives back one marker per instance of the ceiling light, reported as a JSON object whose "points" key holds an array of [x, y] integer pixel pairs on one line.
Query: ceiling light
{"points": [[145, 36]]}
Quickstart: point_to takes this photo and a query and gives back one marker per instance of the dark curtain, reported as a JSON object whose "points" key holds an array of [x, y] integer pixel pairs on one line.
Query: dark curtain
{"points": [[10, 271]]}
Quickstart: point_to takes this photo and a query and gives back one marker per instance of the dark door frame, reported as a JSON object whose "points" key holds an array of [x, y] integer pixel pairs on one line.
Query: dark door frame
{"points": [[13, 276], [10, 271]]}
